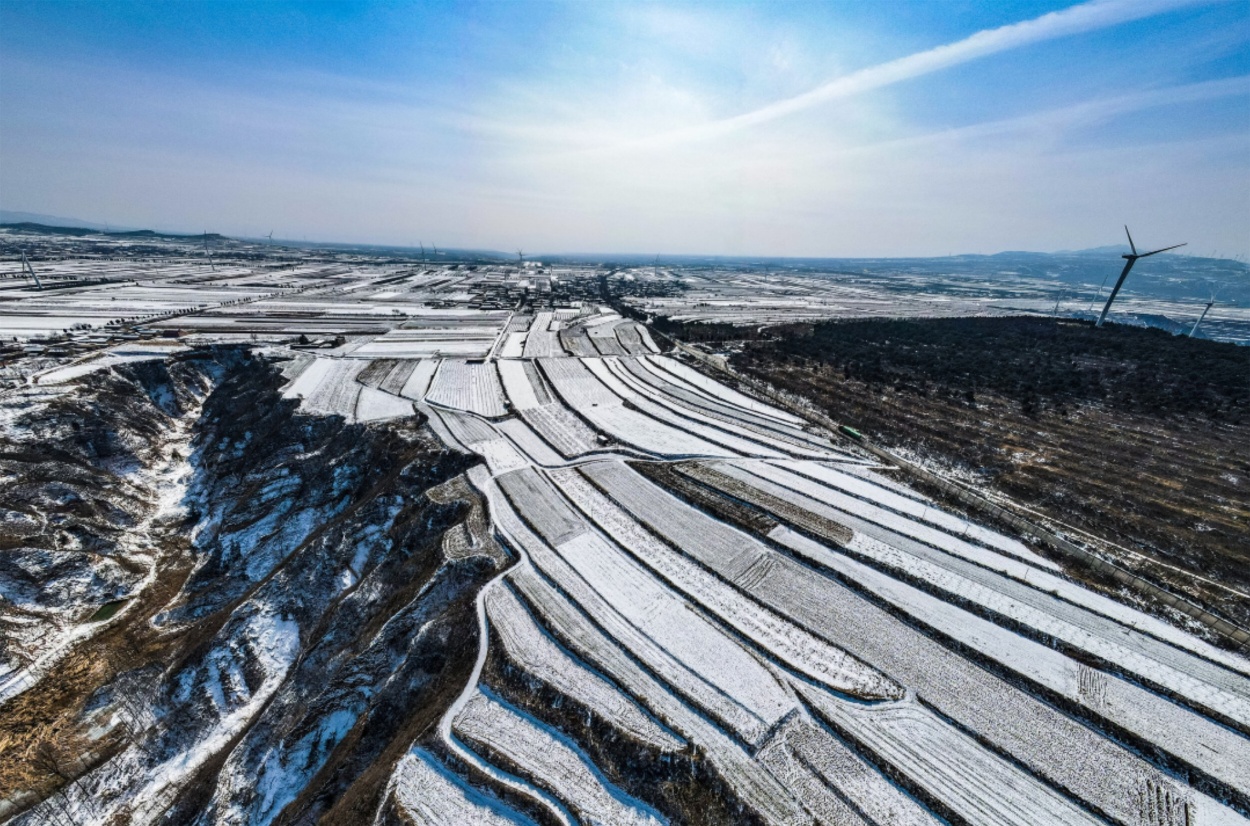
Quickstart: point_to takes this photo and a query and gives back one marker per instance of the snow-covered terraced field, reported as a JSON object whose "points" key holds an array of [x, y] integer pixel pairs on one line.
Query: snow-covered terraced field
{"points": [[684, 374], [550, 760], [727, 429], [329, 387], [597, 404], [679, 677], [1037, 599], [905, 505], [529, 442], [431, 795], [576, 341], [647, 379], [541, 342], [729, 436], [710, 610], [975, 784], [418, 382], [467, 385], [793, 646], [557, 425], [538, 653], [1200, 743], [837, 785]]}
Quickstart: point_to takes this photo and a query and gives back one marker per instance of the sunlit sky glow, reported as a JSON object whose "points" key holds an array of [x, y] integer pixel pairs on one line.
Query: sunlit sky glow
{"points": [[777, 128]]}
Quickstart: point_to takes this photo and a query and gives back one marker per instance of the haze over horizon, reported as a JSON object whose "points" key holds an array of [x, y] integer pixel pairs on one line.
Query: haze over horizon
{"points": [[799, 130]]}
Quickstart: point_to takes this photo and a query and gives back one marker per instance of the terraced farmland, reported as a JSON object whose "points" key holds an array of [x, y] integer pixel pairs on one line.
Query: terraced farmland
{"points": [[834, 646], [614, 591]]}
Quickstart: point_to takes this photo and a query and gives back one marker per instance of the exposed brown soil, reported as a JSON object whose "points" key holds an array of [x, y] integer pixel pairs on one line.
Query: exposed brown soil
{"points": [[674, 478]]}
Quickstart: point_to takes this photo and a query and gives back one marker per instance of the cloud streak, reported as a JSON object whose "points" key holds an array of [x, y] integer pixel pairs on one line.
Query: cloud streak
{"points": [[1086, 17]]}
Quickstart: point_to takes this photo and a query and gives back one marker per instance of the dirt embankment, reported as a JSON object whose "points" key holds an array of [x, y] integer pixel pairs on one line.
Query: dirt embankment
{"points": [[1133, 435]]}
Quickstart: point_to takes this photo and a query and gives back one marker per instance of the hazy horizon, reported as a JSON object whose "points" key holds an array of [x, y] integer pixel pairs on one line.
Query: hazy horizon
{"points": [[760, 130]]}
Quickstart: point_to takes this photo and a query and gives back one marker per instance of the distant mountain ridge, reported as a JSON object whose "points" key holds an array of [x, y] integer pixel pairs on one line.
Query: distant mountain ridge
{"points": [[8, 216], [44, 229]]}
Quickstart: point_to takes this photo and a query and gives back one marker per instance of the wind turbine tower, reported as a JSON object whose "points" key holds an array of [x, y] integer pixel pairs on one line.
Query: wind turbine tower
{"points": [[31, 271], [1129, 260], [211, 266], [1205, 310]]}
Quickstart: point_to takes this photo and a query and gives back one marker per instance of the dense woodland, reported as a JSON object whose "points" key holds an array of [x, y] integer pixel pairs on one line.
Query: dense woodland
{"points": [[1038, 362]]}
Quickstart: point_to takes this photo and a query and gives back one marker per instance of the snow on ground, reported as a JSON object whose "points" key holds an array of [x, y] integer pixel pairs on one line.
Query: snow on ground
{"points": [[557, 425], [662, 387], [787, 483], [501, 457], [960, 555], [709, 541], [551, 760], [975, 783], [696, 380], [470, 386], [676, 674], [837, 784], [1205, 684], [1206, 745], [794, 646], [426, 342], [327, 386], [513, 346], [121, 354], [1048, 742], [756, 788], [541, 342], [465, 429], [517, 383], [419, 381], [375, 405], [733, 438], [271, 643], [684, 632], [658, 612], [531, 444], [431, 795], [878, 495], [542, 656]]}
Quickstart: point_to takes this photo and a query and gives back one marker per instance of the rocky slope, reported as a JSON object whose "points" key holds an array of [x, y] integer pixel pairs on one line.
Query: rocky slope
{"points": [[215, 608]]}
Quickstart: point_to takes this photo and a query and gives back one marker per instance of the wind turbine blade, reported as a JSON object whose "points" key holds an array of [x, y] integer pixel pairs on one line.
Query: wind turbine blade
{"points": [[1165, 249], [1131, 246]]}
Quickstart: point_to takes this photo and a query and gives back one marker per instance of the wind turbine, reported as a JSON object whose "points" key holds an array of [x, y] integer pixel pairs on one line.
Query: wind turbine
{"points": [[422, 246], [209, 254], [28, 269], [1215, 290], [270, 237], [520, 259], [1129, 260], [1205, 310]]}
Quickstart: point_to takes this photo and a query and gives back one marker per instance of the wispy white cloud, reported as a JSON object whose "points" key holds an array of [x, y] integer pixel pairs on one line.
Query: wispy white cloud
{"points": [[1052, 126], [1086, 17]]}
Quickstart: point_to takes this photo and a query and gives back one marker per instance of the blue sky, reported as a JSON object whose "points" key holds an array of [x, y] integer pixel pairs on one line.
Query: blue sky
{"points": [[777, 128]]}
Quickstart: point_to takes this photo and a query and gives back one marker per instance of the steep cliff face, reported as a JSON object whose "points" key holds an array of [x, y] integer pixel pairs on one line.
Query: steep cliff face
{"points": [[218, 609]]}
